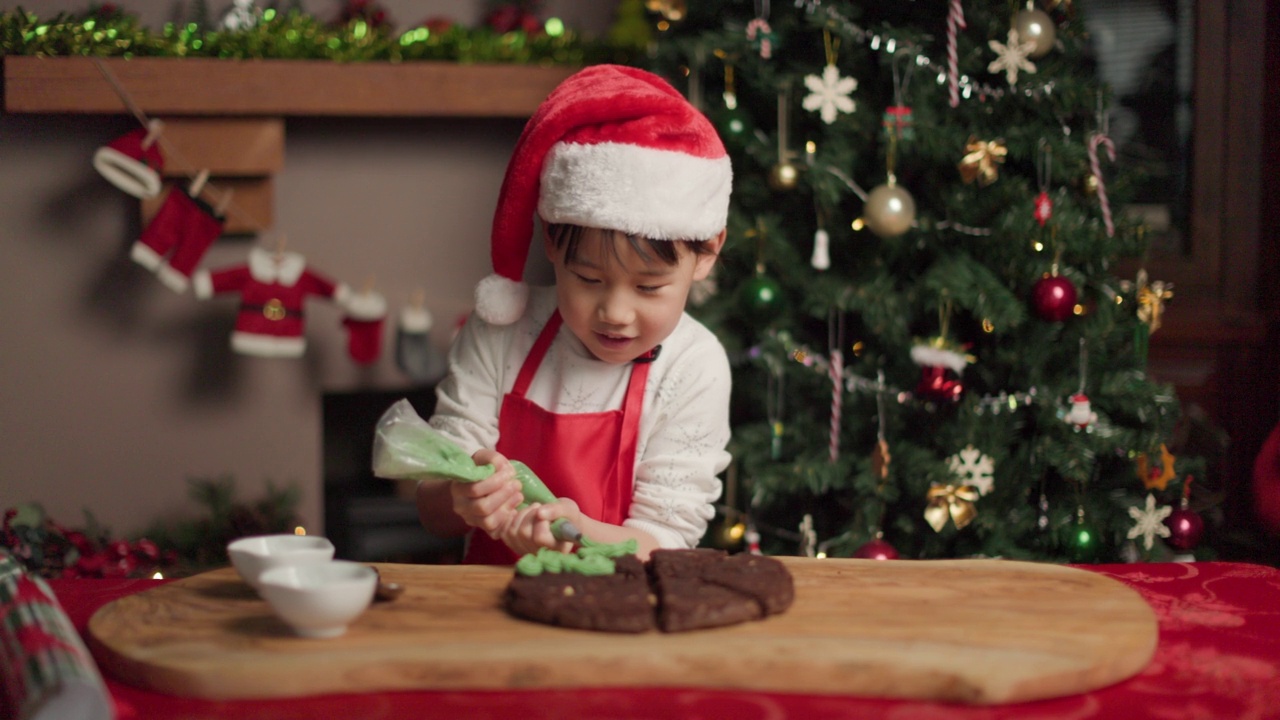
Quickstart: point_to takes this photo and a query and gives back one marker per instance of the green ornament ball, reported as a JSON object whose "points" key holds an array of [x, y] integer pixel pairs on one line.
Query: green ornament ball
{"points": [[1083, 542], [761, 294]]}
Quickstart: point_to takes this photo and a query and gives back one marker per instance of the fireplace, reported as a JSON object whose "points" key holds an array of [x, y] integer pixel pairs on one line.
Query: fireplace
{"points": [[366, 517]]}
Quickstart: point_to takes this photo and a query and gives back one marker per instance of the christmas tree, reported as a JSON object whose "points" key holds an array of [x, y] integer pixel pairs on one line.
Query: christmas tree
{"points": [[934, 353]]}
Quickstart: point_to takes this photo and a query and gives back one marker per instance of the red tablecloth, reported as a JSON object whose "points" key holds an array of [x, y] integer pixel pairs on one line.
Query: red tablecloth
{"points": [[1218, 657]]}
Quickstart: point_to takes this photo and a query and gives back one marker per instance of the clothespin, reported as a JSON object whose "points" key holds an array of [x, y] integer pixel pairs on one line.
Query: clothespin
{"points": [[198, 183], [154, 127], [224, 202]]}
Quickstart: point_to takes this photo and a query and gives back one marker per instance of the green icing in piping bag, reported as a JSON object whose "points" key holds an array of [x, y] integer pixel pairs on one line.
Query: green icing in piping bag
{"points": [[405, 447]]}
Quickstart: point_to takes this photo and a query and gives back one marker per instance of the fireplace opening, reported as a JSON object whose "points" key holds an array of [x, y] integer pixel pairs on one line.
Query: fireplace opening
{"points": [[367, 518]]}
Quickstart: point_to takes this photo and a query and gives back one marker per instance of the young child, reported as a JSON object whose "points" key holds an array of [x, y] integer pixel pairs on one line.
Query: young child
{"points": [[602, 385]]}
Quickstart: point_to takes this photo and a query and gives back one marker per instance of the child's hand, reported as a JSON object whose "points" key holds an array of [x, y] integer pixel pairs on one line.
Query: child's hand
{"points": [[489, 504], [530, 528]]}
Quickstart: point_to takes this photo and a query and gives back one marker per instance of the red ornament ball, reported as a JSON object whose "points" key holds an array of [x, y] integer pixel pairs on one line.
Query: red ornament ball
{"points": [[1185, 528], [876, 550], [1054, 298]]}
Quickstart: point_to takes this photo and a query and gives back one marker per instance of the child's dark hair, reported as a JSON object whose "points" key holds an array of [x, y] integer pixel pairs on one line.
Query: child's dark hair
{"points": [[567, 237]]}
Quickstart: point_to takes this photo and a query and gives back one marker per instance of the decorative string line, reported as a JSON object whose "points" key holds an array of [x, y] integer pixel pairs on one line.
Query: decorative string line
{"points": [[230, 208], [1095, 140], [955, 19], [968, 88], [857, 190]]}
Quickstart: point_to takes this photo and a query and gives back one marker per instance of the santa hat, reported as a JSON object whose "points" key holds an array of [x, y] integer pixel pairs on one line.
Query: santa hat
{"points": [[611, 147], [132, 162]]}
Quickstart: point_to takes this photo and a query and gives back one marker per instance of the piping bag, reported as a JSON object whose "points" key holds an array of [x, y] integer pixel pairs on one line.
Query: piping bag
{"points": [[405, 447]]}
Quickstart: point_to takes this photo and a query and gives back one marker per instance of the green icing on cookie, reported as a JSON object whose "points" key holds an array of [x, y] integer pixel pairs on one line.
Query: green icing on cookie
{"points": [[608, 550], [553, 561]]}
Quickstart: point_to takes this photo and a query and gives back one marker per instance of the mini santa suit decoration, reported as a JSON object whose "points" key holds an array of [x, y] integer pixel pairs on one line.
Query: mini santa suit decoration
{"points": [[611, 147], [132, 162], [183, 229], [273, 287], [363, 320]]}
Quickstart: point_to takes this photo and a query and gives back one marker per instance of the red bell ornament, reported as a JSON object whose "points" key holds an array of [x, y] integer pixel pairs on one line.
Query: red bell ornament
{"points": [[1054, 298]]}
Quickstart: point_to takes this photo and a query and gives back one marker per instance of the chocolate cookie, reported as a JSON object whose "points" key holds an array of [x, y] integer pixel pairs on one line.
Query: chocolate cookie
{"points": [[677, 590]]}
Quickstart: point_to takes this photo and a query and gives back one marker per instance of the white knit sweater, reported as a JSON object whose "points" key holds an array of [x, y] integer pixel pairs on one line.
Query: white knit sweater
{"points": [[684, 426]]}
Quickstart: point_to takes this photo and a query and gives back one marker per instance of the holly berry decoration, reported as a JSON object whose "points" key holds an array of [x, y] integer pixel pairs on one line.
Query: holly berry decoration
{"points": [[512, 16], [1054, 297], [1185, 525], [366, 10], [877, 549]]}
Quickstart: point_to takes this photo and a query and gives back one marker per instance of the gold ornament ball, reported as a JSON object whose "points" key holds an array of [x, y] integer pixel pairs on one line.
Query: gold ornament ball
{"points": [[1036, 25], [890, 211], [784, 176], [1090, 184]]}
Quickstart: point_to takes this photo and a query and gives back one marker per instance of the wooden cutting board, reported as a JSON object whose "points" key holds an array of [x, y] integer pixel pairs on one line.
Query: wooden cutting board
{"points": [[974, 631]]}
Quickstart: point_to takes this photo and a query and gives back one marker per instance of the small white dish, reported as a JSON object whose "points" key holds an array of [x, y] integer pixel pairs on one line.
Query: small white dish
{"points": [[319, 601], [251, 556]]}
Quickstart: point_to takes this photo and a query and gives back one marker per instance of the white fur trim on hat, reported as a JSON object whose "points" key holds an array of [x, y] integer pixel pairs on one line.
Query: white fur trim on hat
{"points": [[500, 301], [658, 194], [129, 174], [927, 355]]}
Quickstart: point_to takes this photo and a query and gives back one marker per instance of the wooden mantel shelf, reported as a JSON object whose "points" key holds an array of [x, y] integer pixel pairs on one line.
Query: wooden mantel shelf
{"points": [[276, 88], [227, 116]]}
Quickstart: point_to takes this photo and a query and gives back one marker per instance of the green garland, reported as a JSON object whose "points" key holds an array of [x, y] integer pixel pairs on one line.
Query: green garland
{"points": [[291, 35]]}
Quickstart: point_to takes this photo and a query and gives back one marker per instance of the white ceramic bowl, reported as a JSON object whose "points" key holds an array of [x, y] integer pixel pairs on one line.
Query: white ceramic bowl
{"points": [[319, 601], [254, 555]]}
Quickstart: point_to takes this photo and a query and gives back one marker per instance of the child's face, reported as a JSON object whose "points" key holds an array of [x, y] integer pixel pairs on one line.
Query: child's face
{"points": [[616, 302]]}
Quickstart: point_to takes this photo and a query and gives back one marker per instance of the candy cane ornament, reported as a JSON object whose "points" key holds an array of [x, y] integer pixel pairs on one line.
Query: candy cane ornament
{"points": [[837, 388], [760, 28], [955, 22], [1094, 141]]}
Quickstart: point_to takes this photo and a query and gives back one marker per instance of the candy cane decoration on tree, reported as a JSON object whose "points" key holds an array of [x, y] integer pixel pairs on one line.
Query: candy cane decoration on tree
{"points": [[835, 328], [955, 22], [1094, 141]]}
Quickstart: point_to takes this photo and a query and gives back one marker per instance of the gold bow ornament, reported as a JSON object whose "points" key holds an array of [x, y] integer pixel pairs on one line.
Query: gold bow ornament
{"points": [[1151, 299], [980, 160], [951, 501]]}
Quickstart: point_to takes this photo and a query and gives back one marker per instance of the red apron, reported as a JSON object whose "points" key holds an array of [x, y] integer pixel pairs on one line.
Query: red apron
{"points": [[589, 457]]}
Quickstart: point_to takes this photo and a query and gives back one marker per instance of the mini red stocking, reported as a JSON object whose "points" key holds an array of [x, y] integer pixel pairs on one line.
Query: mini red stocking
{"points": [[185, 226], [364, 317]]}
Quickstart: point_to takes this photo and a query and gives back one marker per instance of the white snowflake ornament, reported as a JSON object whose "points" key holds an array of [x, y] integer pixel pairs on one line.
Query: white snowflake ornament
{"points": [[974, 468], [1149, 522], [1012, 57], [829, 94]]}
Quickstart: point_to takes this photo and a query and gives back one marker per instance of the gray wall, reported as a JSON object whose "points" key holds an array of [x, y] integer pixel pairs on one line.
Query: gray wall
{"points": [[114, 391]]}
